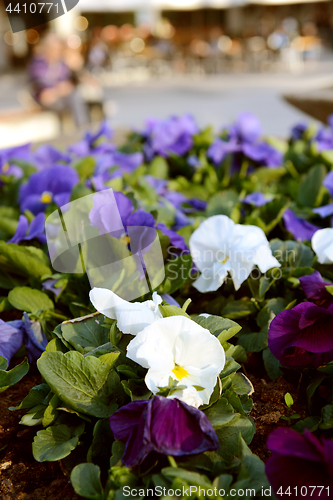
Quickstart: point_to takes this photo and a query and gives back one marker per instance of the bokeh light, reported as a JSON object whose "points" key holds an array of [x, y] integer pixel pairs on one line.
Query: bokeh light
{"points": [[32, 36], [81, 23], [74, 41], [137, 45]]}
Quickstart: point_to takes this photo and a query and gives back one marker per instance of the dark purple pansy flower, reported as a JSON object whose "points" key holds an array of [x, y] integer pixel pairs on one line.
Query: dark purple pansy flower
{"points": [[54, 184], [15, 333], [326, 210], [171, 136], [163, 426], [27, 232], [324, 139], [314, 288], [301, 337], [113, 164], [301, 229], [257, 199], [300, 462], [298, 130]]}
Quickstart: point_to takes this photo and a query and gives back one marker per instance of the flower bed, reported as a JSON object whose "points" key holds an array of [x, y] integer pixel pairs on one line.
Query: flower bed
{"points": [[173, 300]]}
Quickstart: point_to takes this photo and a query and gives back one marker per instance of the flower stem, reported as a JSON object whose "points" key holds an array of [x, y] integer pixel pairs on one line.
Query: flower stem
{"points": [[172, 461]]}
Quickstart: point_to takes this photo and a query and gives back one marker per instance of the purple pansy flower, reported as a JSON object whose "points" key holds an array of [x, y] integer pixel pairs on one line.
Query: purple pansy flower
{"points": [[171, 136], [161, 426], [247, 128], [87, 146], [300, 462], [244, 137], [257, 199], [102, 217], [11, 338], [27, 232], [8, 157], [47, 156], [15, 333], [54, 184], [113, 164], [170, 300], [326, 210], [50, 286], [300, 228], [314, 288], [301, 337]]}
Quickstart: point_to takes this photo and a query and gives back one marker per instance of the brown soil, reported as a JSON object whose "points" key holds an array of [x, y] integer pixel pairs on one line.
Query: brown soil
{"points": [[22, 478]]}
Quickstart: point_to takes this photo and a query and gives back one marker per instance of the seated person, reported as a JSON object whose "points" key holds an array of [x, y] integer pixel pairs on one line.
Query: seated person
{"points": [[53, 82]]}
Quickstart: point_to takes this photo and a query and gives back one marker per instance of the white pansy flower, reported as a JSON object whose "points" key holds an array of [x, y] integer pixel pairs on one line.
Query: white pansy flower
{"points": [[132, 317], [322, 244], [219, 246], [190, 396], [179, 348]]}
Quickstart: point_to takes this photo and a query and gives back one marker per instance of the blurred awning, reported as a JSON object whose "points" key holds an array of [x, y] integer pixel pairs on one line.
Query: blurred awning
{"points": [[283, 2], [112, 5], [134, 5]]}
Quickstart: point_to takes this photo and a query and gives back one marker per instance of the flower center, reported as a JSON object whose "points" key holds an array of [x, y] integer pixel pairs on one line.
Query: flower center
{"points": [[5, 168], [46, 197], [224, 260], [125, 240], [179, 372]]}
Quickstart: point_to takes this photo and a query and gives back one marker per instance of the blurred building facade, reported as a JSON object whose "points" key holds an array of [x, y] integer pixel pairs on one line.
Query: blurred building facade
{"points": [[182, 35]]}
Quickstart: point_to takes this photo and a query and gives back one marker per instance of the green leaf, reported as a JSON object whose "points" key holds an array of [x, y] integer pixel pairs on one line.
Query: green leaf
{"points": [[220, 413], [223, 328], [159, 168], [239, 309], [29, 300], [55, 442], [311, 186], [292, 254], [192, 478], [228, 435], [85, 167], [7, 379], [254, 342], [327, 416], [311, 423], [230, 367], [86, 334], [167, 311], [241, 384], [222, 203], [288, 399], [30, 261], [35, 397], [86, 481], [272, 365], [51, 412], [177, 271], [82, 383]]}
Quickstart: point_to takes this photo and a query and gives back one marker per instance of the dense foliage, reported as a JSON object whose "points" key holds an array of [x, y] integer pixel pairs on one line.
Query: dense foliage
{"points": [[267, 200]]}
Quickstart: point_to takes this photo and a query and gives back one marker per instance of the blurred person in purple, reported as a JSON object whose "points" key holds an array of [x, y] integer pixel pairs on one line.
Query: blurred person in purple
{"points": [[53, 82]]}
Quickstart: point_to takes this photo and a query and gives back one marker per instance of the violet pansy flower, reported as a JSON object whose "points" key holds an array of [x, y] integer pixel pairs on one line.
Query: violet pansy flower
{"points": [[161, 426], [171, 136], [54, 184], [300, 228], [27, 232], [15, 333], [300, 463], [257, 199]]}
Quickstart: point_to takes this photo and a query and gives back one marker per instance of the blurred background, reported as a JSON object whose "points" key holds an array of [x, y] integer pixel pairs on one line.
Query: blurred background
{"points": [[125, 60]]}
